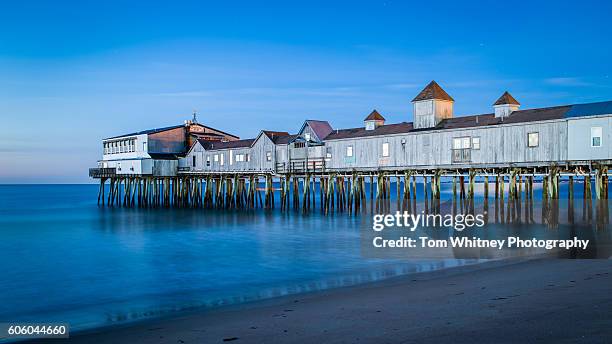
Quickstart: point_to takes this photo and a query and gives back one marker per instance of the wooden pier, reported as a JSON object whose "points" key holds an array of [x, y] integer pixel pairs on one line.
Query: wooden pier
{"points": [[342, 192]]}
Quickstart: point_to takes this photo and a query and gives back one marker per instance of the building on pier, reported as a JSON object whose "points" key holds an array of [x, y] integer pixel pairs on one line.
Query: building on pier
{"points": [[578, 134], [154, 152]]}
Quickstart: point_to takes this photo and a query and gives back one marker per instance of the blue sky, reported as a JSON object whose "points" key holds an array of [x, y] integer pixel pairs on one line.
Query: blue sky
{"points": [[72, 73]]}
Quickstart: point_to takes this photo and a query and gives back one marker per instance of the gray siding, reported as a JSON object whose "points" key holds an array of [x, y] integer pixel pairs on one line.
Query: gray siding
{"points": [[503, 144], [579, 139], [500, 145], [262, 146]]}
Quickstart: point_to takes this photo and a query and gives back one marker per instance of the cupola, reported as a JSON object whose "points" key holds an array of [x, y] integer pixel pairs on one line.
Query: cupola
{"points": [[431, 106], [505, 105], [374, 120]]}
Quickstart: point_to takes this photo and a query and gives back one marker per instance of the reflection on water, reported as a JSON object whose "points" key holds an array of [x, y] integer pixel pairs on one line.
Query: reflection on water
{"points": [[65, 259], [521, 214]]}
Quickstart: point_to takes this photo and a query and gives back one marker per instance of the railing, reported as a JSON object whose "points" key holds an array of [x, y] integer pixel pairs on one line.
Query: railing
{"points": [[301, 165], [102, 172], [461, 155]]}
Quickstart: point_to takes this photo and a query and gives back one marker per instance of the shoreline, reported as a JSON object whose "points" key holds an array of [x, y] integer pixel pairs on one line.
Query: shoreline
{"points": [[542, 298]]}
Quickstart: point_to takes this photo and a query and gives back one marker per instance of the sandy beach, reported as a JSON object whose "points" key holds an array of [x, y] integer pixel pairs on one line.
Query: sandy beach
{"points": [[542, 300]]}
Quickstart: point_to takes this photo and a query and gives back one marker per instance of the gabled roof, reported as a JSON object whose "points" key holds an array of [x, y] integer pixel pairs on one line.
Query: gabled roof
{"points": [[506, 98], [374, 116], [433, 91], [320, 128], [274, 135]]}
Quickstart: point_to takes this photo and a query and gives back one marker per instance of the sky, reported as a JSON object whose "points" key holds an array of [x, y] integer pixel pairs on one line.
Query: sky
{"points": [[72, 73]]}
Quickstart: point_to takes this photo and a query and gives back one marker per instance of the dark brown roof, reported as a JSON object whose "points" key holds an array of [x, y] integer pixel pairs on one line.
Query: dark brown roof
{"points": [[283, 140], [275, 135], [374, 116], [388, 129], [541, 114], [208, 145], [521, 116], [432, 91], [506, 98]]}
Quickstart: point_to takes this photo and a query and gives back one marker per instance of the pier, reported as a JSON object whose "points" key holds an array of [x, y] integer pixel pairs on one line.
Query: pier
{"points": [[510, 152], [511, 190]]}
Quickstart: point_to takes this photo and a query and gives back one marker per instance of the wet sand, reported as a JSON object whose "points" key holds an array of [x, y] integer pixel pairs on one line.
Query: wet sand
{"points": [[543, 300]]}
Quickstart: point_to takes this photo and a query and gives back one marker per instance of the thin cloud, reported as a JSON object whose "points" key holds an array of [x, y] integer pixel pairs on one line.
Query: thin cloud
{"points": [[567, 81]]}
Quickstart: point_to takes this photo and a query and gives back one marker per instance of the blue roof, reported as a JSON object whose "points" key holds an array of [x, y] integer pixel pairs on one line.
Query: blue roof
{"points": [[590, 109]]}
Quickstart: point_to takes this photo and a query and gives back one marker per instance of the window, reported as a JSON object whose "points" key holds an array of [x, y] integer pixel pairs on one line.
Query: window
{"points": [[533, 139], [461, 151], [193, 162], [216, 157], [299, 145], [349, 151], [247, 158], [475, 142], [207, 161], [596, 134], [231, 157], [307, 136], [268, 156], [221, 156], [328, 152], [385, 149]]}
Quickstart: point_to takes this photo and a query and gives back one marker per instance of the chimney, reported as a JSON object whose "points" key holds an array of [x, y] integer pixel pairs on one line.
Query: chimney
{"points": [[505, 105], [374, 120], [431, 106]]}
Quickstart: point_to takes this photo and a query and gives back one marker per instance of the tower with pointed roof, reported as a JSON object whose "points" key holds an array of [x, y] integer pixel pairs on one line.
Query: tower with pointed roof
{"points": [[374, 120], [431, 106], [505, 105]]}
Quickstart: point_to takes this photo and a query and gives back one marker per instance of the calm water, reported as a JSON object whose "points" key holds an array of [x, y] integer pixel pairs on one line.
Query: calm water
{"points": [[63, 258]]}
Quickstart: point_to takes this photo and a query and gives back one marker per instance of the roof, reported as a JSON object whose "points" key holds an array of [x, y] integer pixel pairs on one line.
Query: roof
{"points": [[205, 134], [519, 116], [275, 135], [150, 131], [320, 128], [506, 98], [374, 116], [208, 145], [590, 109], [388, 129], [283, 140], [158, 130], [221, 131], [433, 91]]}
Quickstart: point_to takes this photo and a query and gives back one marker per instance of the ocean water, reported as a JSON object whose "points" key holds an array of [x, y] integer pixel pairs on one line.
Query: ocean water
{"points": [[63, 258]]}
